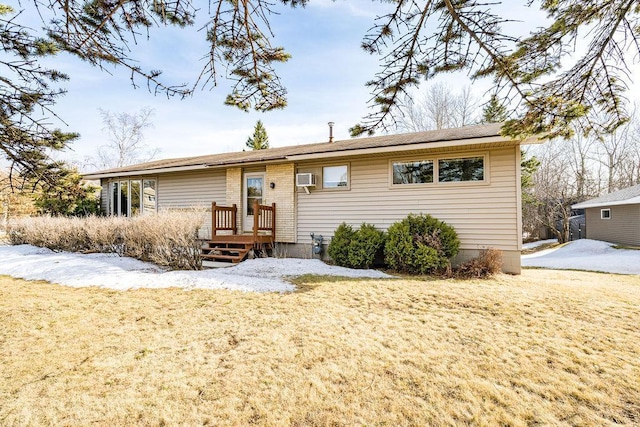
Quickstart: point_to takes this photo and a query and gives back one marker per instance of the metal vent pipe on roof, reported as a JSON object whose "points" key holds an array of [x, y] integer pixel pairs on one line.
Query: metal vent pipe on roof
{"points": [[331, 131]]}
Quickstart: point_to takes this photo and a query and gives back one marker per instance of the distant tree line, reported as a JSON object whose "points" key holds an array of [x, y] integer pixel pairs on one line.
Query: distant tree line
{"points": [[555, 174]]}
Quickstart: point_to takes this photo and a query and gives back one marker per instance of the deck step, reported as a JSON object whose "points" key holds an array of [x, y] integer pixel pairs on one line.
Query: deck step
{"points": [[216, 264], [233, 248], [228, 250], [232, 258]]}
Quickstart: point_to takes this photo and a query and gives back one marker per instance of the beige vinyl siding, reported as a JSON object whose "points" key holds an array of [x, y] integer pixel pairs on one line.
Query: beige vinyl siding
{"points": [[192, 189], [485, 214], [623, 227]]}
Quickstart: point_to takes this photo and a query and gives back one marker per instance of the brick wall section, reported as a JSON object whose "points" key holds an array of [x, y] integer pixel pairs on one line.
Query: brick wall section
{"points": [[283, 195], [234, 192]]}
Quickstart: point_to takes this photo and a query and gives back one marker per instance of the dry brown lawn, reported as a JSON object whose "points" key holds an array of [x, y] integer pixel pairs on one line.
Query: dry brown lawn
{"points": [[545, 348]]}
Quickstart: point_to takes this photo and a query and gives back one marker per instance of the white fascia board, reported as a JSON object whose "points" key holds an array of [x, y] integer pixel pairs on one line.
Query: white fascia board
{"points": [[534, 140], [247, 163], [177, 169], [402, 148], [586, 205], [143, 172]]}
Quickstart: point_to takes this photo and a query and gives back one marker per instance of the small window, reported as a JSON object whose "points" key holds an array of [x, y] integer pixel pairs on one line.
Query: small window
{"points": [[335, 176], [457, 170], [420, 172], [605, 213]]}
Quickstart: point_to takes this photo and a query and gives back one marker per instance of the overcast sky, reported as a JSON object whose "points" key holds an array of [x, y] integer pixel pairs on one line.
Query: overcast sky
{"points": [[325, 79]]}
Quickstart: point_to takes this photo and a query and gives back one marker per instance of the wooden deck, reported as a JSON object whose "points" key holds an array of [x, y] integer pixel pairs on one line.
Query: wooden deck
{"points": [[233, 247]]}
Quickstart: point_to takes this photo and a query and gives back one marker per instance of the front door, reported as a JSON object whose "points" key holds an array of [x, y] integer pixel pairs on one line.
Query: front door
{"points": [[253, 191]]}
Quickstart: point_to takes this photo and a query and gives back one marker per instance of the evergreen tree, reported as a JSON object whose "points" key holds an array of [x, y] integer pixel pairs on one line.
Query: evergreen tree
{"points": [[546, 73], [259, 140], [494, 111], [66, 195], [26, 97]]}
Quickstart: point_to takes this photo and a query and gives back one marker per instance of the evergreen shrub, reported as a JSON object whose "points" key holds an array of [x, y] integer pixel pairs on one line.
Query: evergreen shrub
{"points": [[420, 244], [356, 248], [366, 243], [339, 245]]}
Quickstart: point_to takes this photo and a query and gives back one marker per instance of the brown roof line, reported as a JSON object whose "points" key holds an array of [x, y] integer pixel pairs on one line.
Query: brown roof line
{"points": [[281, 153]]}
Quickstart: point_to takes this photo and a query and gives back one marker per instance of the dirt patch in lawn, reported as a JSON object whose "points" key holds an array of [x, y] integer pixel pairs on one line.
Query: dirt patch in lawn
{"points": [[547, 347], [542, 247]]}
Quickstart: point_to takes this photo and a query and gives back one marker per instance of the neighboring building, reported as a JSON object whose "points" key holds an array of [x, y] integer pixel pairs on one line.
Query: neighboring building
{"points": [[467, 177], [614, 217]]}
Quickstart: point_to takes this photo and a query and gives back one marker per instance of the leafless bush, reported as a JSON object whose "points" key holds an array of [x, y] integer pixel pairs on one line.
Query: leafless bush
{"points": [[176, 243], [49, 232], [169, 238], [487, 264]]}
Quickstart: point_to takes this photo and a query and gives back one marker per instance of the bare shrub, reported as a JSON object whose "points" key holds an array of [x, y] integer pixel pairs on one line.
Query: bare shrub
{"points": [[487, 264], [106, 234], [175, 243], [169, 238], [55, 233]]}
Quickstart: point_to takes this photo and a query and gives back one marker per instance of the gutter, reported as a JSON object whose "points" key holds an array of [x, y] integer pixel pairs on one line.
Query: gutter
{"points": [[407, 147], [321, 155], [144, 171], [180, 168]]}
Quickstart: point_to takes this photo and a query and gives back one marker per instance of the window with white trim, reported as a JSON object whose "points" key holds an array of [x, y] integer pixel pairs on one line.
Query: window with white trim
{"points": [[438, 170], [132, 197], [605, 213], [335, 176]]}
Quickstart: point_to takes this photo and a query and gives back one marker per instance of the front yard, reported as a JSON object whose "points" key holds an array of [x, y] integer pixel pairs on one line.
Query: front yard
{"points": [[547, 347]]}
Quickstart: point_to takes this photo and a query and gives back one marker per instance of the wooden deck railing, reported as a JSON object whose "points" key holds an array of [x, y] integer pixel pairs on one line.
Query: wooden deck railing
{"points": [[223, 218], [264, 219]]}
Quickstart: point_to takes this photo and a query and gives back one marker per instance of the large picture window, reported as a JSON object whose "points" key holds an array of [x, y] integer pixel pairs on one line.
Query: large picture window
{"points": [[132, 197], [461, 169], [437, 170], [413, 172], [335, 176]]}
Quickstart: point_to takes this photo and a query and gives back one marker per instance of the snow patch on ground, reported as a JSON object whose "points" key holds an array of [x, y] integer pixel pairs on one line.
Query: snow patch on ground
{"points": [[262, 274], [586, 254], [121, 273]]}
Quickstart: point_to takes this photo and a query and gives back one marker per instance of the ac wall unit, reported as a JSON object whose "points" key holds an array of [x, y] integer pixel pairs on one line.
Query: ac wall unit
{"points": [[305, 180]]}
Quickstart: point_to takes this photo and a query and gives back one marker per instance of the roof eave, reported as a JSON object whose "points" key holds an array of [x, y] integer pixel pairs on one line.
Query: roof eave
{"points": [[402, 148], [587, 204], [319, 155], [143, 171], [248, 162]]}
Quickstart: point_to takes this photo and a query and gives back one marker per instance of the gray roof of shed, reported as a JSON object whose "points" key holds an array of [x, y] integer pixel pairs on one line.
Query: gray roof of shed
{"points": [[627, 196]]}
